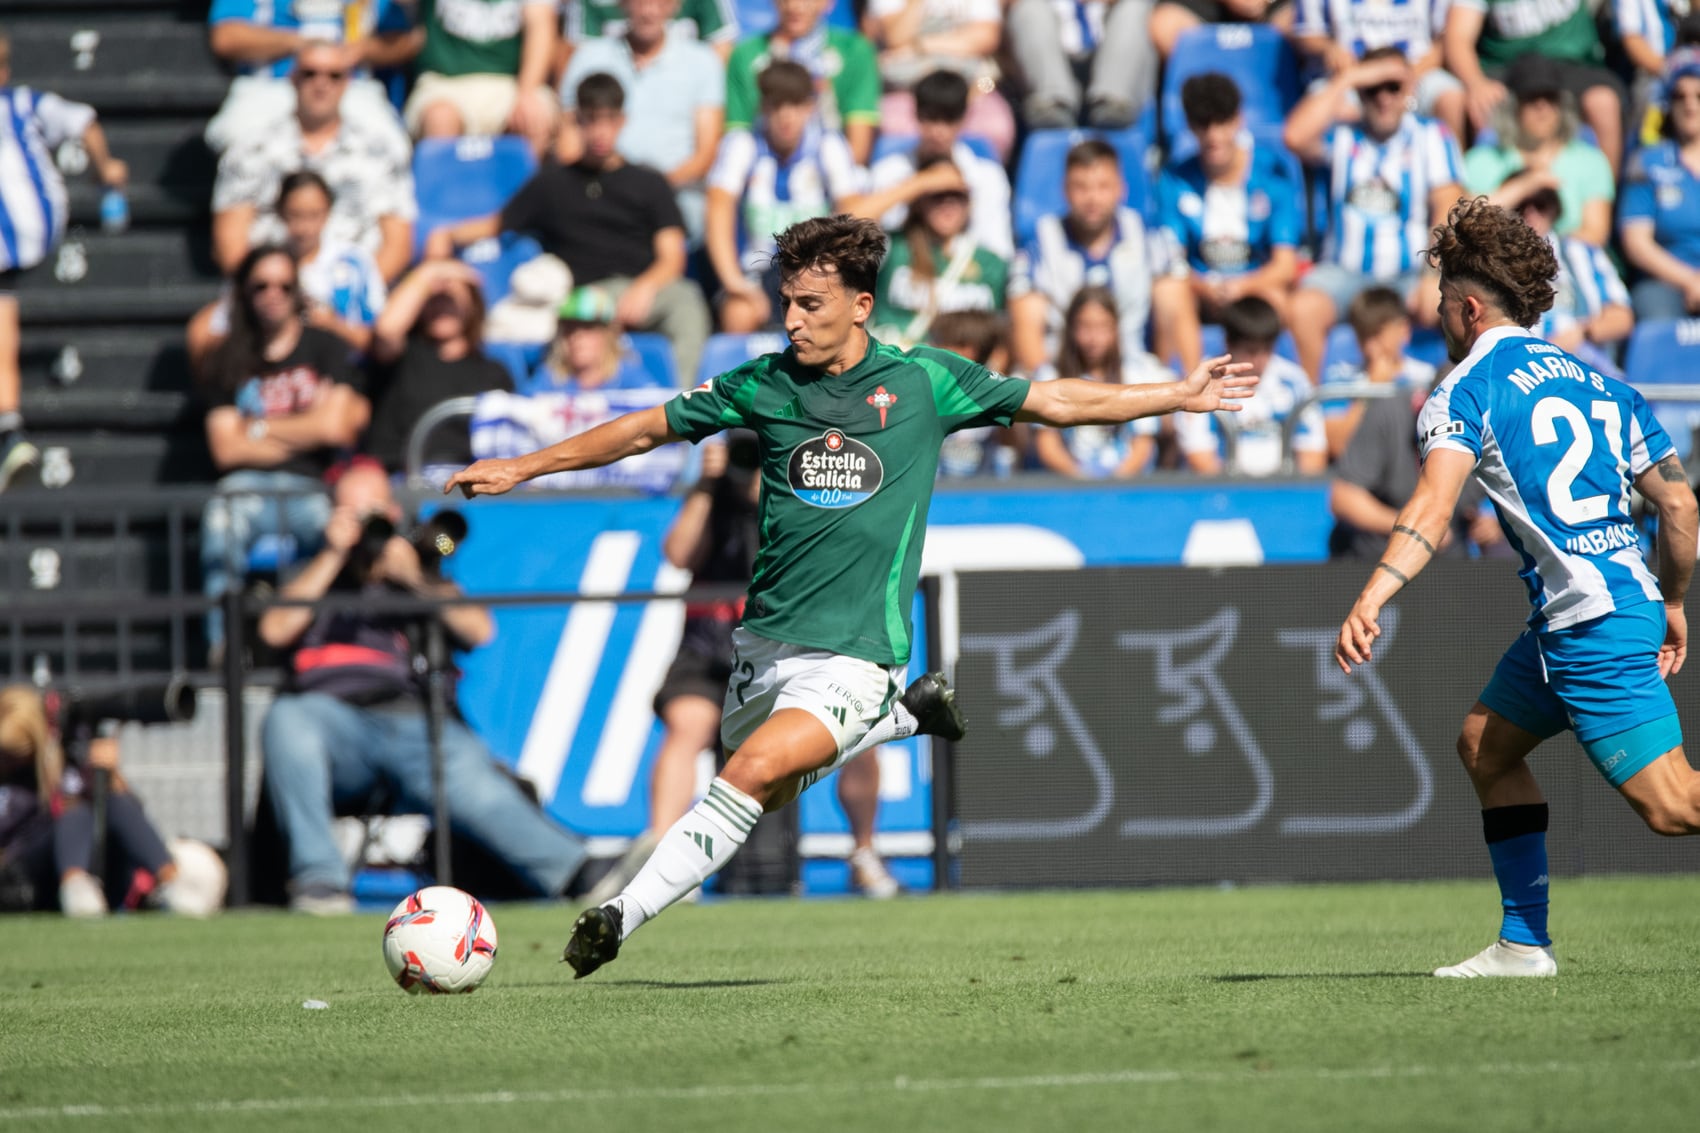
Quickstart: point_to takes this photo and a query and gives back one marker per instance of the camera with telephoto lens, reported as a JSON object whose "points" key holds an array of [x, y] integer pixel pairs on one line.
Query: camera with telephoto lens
{"points": [[433, 540], [159, 701]]}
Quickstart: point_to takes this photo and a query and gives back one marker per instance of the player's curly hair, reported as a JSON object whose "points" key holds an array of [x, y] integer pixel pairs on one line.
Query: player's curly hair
{"points": [[853, 247], [1488, 246]]}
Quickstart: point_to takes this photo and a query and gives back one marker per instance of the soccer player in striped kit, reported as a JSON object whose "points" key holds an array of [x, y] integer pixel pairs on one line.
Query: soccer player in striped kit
{"points": [[1557, 446]]}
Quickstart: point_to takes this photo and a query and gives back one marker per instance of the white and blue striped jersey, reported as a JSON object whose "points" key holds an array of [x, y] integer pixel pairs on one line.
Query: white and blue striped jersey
{"points": [[1363, 25], [773, 193], [33, 204], [1587, 284], [1053, 265], [1380, 194], [1557, 446], [1653, 20]]}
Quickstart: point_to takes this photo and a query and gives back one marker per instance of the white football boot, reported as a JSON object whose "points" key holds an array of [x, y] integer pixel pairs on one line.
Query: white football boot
{"points": [[1503, 958]]}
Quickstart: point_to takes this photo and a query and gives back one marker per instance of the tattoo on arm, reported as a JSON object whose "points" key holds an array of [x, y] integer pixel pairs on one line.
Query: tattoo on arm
{"points": [[1670, 470], [1414, 534], [1400, 575]]}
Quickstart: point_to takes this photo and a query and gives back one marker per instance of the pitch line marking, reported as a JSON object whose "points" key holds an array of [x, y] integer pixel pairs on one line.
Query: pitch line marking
{"points": [[899, 1084]]}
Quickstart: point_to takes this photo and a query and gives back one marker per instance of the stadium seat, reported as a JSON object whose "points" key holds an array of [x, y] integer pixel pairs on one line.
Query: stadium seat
{"points": [[456, 179], [887, 144], [655, 353], [1662, 353], [1341, 358], [758, 16], [1255, 56], [496, 260], [1428, 345], [520, 358], [1039, 177], [725, 352]]}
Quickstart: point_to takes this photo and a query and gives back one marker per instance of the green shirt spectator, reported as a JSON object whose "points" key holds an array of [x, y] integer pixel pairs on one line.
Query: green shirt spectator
{"points": [[1557, 29], [711, 21], [846, 72], [1582, 172]]}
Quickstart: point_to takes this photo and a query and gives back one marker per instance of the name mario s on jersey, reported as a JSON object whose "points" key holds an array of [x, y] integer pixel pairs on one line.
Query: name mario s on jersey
{"points": [[1532, 373]]}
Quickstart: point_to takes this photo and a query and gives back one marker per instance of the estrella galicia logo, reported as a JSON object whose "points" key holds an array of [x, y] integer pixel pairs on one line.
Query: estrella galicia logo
{"points": [[833, 470]]}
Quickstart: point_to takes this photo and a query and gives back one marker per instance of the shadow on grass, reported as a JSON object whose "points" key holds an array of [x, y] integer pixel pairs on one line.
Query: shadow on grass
{"points": [[1257, 977], [687, 985]]}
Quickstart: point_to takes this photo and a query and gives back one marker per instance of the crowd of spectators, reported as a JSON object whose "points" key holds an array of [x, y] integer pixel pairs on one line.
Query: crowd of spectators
{"points": [[1222, 208]]}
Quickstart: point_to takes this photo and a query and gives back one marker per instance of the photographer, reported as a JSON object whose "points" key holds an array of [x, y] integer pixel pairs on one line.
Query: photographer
{"points": [[49, 835], [714, 536], [353, 719]]}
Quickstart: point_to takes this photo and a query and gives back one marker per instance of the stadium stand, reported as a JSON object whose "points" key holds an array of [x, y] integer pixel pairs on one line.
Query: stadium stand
{"points": [[457, 179], [728, 351], [1663, 353], [1256, 56], [1039, 181]]}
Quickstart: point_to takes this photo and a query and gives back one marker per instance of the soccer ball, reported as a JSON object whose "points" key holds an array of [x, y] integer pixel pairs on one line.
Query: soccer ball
{"points": [[439, 940]]}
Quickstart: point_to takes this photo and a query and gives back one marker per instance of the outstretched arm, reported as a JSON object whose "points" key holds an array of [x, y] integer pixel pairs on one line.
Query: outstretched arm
{"points": [[1417, 533], [615, 440], [1216, 383], [1666, 486]]}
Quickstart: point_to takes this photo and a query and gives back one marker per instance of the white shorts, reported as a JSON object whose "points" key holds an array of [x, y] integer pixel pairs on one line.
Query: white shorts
{"points": [[846, 694]]}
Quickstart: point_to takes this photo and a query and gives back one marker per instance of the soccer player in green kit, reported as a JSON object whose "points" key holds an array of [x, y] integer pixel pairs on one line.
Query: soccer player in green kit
{"points": [[850, 431]]}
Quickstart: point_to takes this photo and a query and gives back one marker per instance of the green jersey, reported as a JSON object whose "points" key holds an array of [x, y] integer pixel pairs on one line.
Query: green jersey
{"points": [[848, 464], [977, 283], [845, 67], [471, 37], [711, 21], [1558, 29]]}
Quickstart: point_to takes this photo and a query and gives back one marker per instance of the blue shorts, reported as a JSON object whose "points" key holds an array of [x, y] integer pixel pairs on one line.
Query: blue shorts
{"points": [[1599, 678]]}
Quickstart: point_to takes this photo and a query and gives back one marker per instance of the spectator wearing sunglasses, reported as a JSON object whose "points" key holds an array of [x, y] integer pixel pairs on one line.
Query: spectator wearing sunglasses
{"points": [[367, 167]]}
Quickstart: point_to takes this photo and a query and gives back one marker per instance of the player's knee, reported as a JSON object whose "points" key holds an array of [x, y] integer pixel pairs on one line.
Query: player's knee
{"points": [[1469, 749]]}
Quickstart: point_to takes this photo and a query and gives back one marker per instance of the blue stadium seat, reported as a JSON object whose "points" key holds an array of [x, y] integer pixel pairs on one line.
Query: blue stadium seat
{"points": [[456, 179], [520, 358], [496, 260], [1255, 56], [887, 144], [757, 16], [1341, 358], [725, 352], [1428, 345], [1662, 353], [1039, 177], [655, 353]]}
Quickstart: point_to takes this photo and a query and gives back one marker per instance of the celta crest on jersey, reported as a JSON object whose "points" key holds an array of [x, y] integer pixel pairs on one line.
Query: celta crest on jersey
{"points": [[834, 471]]}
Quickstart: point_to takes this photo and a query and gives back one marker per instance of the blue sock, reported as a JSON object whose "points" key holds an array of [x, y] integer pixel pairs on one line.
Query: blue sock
{"points": [[1517, 842]]}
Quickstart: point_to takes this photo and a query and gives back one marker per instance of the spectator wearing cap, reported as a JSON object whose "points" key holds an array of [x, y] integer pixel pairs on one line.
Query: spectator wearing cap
{"points": [[1054, 42], [941, 106], [263, 39], [788, 169], [1659, 215], [585, 354], [675, 100], [1392, 177], [1539, 149], [368, 169], [1233, 213], [1590, 314], [427, 349], [612, 222], [1484, 37], [1339, 32], [843, 63], [484, 70]]}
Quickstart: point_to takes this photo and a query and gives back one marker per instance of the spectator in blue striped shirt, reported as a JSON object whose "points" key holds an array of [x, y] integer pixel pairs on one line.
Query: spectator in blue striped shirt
{"points": [[1659, 213], [33, 213], [1340, 32], [1234, 212], [1591, 314], [1647, 31], [1392, 176]]}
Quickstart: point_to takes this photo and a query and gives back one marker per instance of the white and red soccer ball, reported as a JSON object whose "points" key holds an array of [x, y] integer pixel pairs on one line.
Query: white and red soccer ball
{"points": [[439, 941]]}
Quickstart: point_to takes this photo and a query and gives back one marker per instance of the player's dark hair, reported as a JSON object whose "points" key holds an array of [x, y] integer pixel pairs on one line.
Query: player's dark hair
{"points": [[1091, 152], [976, 335], [1070, 362], [1374, 310], [941, 96], [1250, 321], [600, 93], [1209, 100], [848, 245], [785, 83], [1491, 248], [293, 183], [243, 350]]}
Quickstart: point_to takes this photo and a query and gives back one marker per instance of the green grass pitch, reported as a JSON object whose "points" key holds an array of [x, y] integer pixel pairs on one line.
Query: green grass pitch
{"points": [[1251, 1009]]}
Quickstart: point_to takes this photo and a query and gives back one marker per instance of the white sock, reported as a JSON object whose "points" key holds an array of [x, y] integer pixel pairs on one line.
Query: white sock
{"points": [[692, 851], [899, 725]]}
